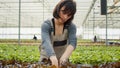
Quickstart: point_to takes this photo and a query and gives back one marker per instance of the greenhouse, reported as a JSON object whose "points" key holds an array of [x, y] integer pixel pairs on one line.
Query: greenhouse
{"points": [[97, 30]]}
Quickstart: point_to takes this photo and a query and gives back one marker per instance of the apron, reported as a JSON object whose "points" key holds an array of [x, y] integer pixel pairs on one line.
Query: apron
{"points": [[59, 44]]}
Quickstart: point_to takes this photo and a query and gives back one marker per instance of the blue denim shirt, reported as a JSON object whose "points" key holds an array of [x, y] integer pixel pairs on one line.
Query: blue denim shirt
{"points": [[46, 41]]}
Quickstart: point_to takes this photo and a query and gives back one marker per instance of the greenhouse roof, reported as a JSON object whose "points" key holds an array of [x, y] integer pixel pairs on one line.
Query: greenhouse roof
{"points": [[33, 12]]}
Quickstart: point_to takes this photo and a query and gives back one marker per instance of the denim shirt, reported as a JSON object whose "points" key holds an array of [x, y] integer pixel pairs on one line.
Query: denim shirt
{"points": [[46, 40]]}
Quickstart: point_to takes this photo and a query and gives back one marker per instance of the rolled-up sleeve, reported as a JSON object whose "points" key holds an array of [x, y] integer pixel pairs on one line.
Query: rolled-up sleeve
{"points": [[72, 35], [46, 42]]}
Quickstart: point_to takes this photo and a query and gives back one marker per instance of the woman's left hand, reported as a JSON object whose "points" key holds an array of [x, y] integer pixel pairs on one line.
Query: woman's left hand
{"points": [[62, 61]]}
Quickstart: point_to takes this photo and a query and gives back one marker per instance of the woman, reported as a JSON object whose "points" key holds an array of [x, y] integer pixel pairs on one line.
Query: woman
{"points": [[59, 34]]}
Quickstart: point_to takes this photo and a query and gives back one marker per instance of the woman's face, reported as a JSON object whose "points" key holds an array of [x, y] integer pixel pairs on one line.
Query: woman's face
{"points": [[63, 15]]}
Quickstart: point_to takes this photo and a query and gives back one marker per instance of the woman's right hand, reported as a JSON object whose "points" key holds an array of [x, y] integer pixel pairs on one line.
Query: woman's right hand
{"points": [[54, 61]]}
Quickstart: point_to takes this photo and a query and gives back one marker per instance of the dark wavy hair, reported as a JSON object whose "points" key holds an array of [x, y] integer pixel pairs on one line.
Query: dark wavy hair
{"points": [[70, 9]]}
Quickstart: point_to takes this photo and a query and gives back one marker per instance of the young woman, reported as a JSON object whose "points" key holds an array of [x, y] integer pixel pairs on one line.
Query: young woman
{"points": [[59, 34]]}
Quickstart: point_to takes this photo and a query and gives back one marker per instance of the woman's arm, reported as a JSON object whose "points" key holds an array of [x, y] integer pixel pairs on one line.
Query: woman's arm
{"points": [[72, 43], [46, 41], [72, 35]]}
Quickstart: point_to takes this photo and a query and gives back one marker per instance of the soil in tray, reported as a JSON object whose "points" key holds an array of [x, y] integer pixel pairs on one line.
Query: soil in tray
{"points": [[36, 65]]}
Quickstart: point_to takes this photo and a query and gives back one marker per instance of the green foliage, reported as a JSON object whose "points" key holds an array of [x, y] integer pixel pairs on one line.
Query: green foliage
{"points": [[82, 55], [19, 53], [22, 41], [95, 54]]}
